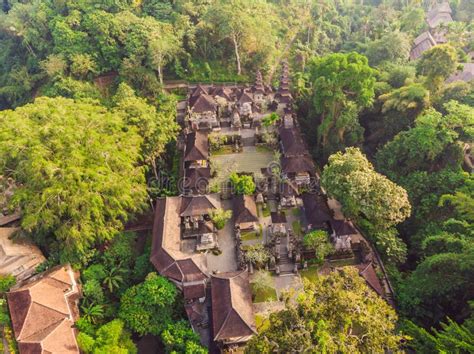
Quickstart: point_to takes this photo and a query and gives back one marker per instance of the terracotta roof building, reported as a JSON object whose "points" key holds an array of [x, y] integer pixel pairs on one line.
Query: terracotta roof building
{"points": [[202, 104], [233, 320], [43, 311], [196, 180], [184, 266], [18, 258]]}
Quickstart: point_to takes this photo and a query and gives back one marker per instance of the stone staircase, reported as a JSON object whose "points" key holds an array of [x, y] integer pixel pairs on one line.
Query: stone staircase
{"points": [[285, 263]]}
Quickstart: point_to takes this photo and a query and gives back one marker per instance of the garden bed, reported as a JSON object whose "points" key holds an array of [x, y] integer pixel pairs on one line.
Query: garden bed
{"points": [[296, 226], [264, 294], [250, 235]]}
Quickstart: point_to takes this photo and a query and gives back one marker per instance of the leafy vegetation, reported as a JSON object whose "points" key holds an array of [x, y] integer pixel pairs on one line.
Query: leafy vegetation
{"points": [[86, 127]]}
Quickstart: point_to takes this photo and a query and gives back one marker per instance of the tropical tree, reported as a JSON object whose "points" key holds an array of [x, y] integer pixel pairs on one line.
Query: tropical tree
{"points": [[220, 217], [113, 278], [147, 308], [92, 312], [179, 337], [437, 64], [341, 85], [336, 313], [242, 184], [109, 338], [78, 172], [318, 242]]}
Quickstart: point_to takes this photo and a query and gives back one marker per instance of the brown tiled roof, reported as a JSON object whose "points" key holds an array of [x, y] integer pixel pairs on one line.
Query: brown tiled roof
{"points": [[316, 210], [197, 179], [232, 312], [297, 164], [194, 206], [343, 227], [166, 253], [292, 142], [367, 271], [202, 103], [43, 312], [197, 147], [199, 90], [194, 291], [245, 98], [245, 209], [223, 92]]}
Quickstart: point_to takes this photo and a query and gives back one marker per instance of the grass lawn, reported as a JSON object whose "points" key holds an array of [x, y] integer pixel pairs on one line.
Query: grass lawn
{"points": [[224, 150], [266, 210], [311, 273], [251, 235], [261, 323], [296, 211], [263, 295], [263, 148], [296, 225]]}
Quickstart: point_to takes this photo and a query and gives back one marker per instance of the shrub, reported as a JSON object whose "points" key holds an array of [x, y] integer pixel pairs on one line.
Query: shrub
{"points": [[219, 217]]}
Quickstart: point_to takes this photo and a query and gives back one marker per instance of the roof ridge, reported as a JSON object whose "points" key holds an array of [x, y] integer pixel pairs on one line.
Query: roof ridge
{"points": [[29, 313]]}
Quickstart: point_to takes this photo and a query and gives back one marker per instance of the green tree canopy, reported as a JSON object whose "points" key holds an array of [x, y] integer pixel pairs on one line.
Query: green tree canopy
{"points": [[78, 170], [336, 313], [341, 85], [109, 338], [147, 308], [437, 64]]}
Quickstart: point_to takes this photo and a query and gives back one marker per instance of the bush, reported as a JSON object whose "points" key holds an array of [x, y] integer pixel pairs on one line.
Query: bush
{"points": [[318, 242], [243, 184], [94, 272], [93, 291], [6, 282], [219, 217]]}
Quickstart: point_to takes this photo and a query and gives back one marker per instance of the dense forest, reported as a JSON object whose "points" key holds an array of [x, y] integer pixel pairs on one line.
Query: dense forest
{"points": [[86, 124]]}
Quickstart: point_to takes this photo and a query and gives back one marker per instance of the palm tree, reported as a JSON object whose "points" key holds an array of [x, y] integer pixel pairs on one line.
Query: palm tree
{"points": [[92, 313], [113, 278]]}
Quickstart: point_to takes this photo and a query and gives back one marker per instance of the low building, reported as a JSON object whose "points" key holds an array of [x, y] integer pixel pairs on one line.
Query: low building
{"points": [[367, 271], [317, 213], [422, 43], [245, 212], [342, 232], [245, 104], [288, 192], [233, 320], [278, 223], [202, 112], [439, 14], [43, 311], [180, 229], [291, 142], [196, 150], [298, 169], [19, 258], [196, 180]]}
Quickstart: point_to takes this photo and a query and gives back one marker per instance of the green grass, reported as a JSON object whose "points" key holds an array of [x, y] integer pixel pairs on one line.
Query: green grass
{"points": [[310, 274], [266, 211], [224, 150], [264, 295], [250, 235], [263, 148], [296, 225], [296, 211], [261, 323]]}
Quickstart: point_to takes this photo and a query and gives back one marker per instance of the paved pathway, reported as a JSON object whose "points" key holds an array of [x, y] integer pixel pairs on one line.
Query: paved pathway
{"points": [[227, 260]]}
